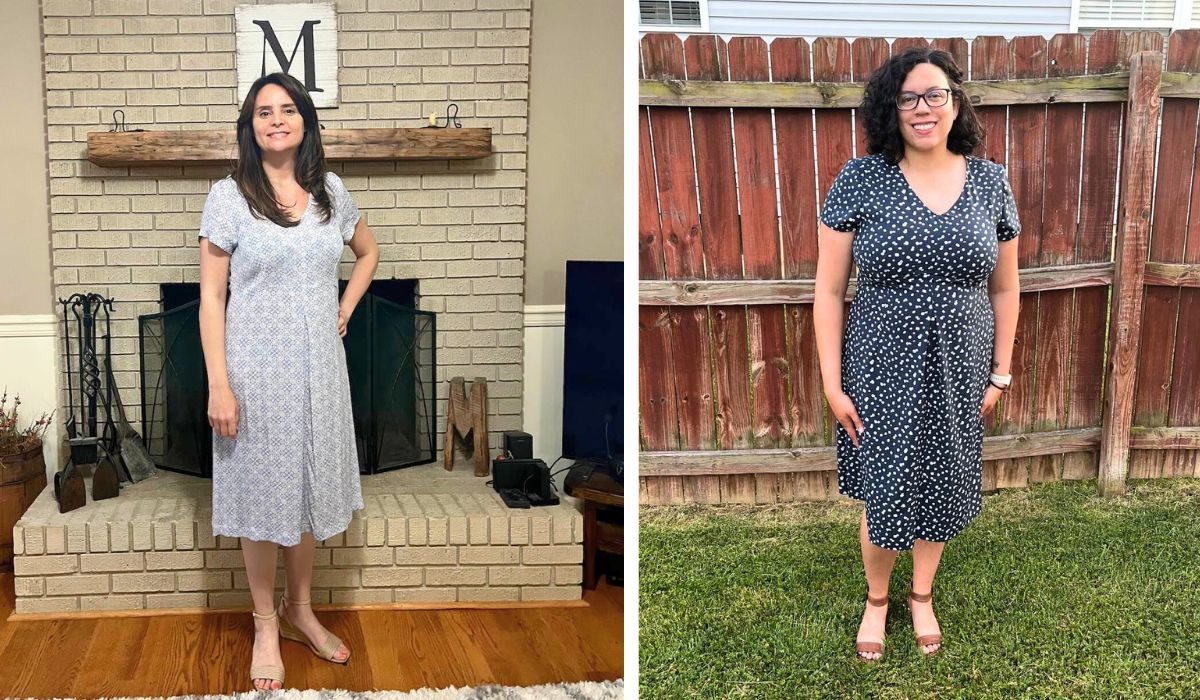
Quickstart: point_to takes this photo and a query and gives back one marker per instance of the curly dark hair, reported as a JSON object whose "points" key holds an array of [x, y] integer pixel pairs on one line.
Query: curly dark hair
{"points": [[878, 110]]}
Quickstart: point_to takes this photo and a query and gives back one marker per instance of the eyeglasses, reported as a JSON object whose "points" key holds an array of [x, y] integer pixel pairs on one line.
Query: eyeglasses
{"points": [[934, 98]]}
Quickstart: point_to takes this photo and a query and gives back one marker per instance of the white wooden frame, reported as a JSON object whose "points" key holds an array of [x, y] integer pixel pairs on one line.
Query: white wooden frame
{"points": [[1182, 19], [676, 28]]}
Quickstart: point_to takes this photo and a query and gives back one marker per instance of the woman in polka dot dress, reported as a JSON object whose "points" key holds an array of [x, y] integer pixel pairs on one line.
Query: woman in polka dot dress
{"points": [[929, 337]]}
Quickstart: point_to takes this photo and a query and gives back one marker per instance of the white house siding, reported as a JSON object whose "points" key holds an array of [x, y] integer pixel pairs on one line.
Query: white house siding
{"points": [[855, 18]]}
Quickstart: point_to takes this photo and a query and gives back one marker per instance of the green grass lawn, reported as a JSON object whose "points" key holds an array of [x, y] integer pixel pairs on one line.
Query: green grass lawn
{"points": [[1053, 592]]}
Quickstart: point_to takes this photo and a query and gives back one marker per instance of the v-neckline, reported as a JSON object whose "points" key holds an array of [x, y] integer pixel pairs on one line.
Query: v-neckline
{"points": [[307, 205], [962, 194]]}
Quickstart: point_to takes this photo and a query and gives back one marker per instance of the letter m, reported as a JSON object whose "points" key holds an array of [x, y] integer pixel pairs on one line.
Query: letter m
{"points": [[285, 62]]}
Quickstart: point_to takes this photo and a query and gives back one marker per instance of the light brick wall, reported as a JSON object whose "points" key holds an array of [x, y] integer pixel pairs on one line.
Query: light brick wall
{"points": [[457, 227]]}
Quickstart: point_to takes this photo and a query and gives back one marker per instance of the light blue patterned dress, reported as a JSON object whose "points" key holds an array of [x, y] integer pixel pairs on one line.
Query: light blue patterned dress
{"points": [[293, 466]]}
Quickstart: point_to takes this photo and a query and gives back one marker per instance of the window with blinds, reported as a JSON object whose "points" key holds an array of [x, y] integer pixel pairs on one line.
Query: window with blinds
{"points": [[1136, 14], [671, 13]]}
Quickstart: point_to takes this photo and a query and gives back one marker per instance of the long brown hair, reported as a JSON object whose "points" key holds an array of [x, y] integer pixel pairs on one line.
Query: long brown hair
{"points": [[310, 157]]}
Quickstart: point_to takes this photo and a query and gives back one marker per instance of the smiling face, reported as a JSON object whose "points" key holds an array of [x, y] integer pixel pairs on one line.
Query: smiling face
{"points": [[926, 128], [278, 125]]}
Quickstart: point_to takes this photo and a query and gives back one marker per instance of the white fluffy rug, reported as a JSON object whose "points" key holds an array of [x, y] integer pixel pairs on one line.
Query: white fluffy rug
{"points": [[607, 690]]}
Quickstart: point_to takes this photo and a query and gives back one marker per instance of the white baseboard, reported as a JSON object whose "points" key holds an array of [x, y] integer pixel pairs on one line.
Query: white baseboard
{"points": [[28, 364], [544, 327]]}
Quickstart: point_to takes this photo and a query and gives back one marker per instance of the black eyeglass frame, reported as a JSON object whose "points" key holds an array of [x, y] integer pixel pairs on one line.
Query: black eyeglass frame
{"points": [[950, 93]]}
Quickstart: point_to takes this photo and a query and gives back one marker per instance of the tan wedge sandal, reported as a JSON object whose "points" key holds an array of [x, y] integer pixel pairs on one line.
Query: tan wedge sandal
{"points": [[861, 648], [289, 631], [266, 673], [925, 640]]}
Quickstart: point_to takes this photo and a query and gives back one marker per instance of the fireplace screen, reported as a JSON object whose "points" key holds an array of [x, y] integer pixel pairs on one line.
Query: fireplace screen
{"points": [[390, 356]]}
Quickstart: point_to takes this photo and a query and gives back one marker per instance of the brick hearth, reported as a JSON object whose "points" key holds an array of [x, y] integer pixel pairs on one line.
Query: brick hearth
{"points": [[425, 536]]}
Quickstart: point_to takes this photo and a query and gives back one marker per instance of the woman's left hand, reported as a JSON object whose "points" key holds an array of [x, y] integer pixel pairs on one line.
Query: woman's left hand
{"points": [[989, 400], [343, 319]]}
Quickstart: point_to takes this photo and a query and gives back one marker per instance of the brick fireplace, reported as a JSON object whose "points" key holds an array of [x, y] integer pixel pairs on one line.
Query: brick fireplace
{"points": [[426, 536], [455, 227]]}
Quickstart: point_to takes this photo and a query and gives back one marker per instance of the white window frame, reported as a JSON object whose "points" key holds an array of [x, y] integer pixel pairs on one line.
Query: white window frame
{"points": [[1181, 20], [680, 29]]}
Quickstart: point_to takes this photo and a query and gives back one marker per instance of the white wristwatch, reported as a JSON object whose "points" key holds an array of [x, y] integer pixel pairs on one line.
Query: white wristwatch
{"points": [[1000, 381]]}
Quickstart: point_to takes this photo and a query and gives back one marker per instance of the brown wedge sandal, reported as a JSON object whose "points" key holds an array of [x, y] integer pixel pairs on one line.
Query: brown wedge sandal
{"points": [[925, 640], [266, 673], [861, 648], [289, 631]]}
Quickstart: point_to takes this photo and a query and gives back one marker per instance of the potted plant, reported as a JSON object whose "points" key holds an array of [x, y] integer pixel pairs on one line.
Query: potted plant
{"points": [[22, 469]]}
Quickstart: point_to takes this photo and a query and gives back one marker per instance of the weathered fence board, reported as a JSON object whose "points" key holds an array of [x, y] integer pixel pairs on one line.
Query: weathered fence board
{"points": [[1060, 209], [731, 292], [1184, 405], [1098, 185], [1133, 221], [1161, 306]]}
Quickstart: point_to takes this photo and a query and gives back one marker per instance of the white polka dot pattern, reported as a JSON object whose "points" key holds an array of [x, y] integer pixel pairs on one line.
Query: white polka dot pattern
{"points": [[918, 346], [293, 467]]}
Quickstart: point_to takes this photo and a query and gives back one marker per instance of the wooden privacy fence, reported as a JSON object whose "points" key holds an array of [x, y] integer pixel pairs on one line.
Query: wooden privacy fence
{"points": [[740, 141]]}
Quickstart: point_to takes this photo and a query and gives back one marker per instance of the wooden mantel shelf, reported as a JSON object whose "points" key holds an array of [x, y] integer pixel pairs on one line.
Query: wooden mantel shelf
{"points": [[131, 148]]}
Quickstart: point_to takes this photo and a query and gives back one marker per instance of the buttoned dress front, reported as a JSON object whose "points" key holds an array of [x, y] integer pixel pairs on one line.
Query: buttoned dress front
{"points": [[293, 467], [918, 345]]}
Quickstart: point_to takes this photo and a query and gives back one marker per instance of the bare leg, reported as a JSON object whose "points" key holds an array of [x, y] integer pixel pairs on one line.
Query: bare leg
{"points": [[926, 557], [298, 562], [260, 558], [877, 563]]}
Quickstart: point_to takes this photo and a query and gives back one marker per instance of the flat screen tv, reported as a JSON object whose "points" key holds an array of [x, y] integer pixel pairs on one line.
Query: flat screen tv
{"points": [[593, 367]]}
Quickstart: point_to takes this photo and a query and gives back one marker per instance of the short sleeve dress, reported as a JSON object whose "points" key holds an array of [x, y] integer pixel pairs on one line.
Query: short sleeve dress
{"points": [[293, 466], [918, 345]]}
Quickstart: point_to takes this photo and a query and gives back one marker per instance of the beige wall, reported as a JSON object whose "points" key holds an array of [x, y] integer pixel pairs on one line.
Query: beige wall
{"points": [[24, 229], [574, 206]]}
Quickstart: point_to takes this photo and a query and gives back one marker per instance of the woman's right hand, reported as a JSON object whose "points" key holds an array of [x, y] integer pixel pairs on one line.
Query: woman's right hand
{"points": [[843, 409], [223, 412]]}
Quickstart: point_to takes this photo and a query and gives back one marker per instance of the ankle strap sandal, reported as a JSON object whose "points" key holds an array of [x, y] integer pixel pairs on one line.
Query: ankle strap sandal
{"points": [[861, 648], [326, 650], [925, 640], [270, 673]]}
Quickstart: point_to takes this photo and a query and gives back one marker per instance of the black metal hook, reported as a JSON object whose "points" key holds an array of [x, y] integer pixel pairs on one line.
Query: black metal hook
{"points": [[120, 125], [450, 119]]}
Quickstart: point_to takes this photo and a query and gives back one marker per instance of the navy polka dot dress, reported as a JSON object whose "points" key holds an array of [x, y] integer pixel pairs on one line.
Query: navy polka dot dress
{"points": [[918, 346]]}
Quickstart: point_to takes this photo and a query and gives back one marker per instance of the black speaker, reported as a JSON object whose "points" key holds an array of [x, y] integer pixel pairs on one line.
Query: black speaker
{"points": [[530, 477], [518, 445]]}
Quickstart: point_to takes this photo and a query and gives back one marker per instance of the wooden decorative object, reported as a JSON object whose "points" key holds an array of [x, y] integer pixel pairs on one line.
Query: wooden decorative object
{"points": [[22, 478], [214, 147], [298, 38], [468, 418]]}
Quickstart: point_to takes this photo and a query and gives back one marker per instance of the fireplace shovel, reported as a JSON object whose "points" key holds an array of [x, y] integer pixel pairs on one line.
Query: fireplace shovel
{"points": [[137, 461]]}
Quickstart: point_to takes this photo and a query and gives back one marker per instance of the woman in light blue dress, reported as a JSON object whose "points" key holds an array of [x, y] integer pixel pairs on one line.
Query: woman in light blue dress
{"points": [[285, 464]]}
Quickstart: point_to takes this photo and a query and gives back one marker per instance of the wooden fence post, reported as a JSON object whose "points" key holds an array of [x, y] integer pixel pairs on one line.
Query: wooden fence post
{"points": [[1137, 178]]}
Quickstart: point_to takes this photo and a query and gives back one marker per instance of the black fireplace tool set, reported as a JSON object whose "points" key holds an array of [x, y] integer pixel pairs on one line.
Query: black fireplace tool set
{"points": [[111, 445]]}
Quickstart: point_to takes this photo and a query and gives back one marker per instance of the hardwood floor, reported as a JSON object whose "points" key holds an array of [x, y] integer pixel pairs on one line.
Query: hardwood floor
{"points": [[393, 650]]}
